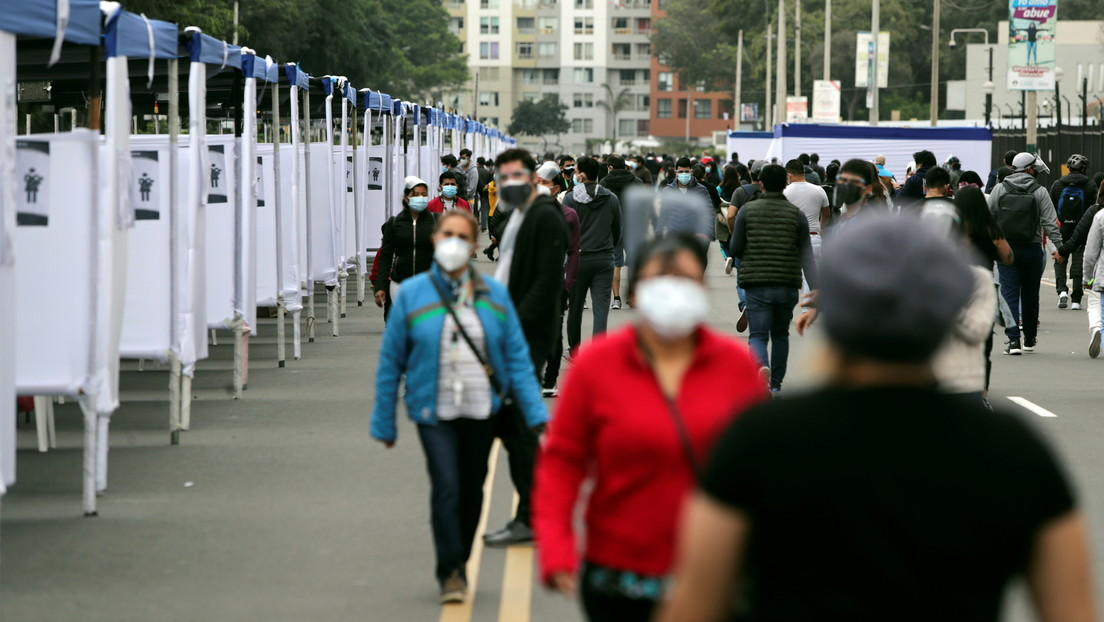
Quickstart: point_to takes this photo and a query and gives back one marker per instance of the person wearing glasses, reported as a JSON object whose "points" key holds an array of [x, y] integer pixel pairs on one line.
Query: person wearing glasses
{"points": [[856, 194], [445, 324]]}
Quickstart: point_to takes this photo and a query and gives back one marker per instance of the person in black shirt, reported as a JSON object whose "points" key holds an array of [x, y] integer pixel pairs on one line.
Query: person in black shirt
{"points": [[878, 498]]}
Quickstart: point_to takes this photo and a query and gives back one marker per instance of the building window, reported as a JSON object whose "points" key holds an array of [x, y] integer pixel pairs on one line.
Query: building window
{"points": [[627, 77], [488, 4], [584, 75], [488, 98], [456, 25], [531, 76], [584, 25], [546, 50], [666, 81], [488, 50], [703, 109], [643, 103], [622, 51], [531, 97], [584, 51], [643, 127], [626, 127], [700, 86], [488, 25], [582, 126], [488, 73], [550, 76], [681, 108], [525, 50], [492, 121], [584, 100], [621, 26], [584, 4], [663, 108], [526, 25], [547, 25], [724, 106], [644, 50], [643, 25]]}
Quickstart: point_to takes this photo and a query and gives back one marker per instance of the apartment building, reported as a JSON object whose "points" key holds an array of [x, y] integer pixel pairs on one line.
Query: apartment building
{"points": [[681, 111], [581, 51]]}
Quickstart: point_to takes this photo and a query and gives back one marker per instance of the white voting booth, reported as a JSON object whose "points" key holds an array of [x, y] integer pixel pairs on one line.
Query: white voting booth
{"points": [[750, 145]]}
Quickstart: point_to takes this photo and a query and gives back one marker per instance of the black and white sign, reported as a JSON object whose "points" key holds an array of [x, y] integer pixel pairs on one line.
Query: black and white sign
{"points": [[145, 190], [32, 171], [218, 177], [375, 173]]}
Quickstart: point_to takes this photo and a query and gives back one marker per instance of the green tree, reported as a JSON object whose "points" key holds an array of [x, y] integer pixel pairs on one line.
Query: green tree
{"points": [[614, 105], [544, 117]]}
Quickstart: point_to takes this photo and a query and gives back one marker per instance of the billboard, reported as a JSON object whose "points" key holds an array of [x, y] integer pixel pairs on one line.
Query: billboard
{"points": [[826, 101], [1032, 25], [797, 109], [864, 56]]}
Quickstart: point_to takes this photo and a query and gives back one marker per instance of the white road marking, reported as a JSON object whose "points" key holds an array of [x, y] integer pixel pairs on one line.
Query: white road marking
{"points": [[1033, 407]]}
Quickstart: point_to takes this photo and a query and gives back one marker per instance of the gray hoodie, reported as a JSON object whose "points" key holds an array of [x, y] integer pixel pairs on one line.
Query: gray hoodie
{"points": [[1048, 218]]}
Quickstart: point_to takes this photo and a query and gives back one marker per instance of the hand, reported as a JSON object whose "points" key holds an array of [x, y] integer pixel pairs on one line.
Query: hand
{"points": [[805, 320], [1058, 257], [381, 298], [564, 583], [809, 301], [387, 444]]}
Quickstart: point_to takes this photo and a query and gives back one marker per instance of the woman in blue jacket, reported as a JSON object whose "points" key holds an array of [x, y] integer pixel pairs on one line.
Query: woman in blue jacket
{"points": [[449, 395]]}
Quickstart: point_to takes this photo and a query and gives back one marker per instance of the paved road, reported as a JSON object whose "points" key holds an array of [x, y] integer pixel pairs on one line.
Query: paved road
{"points": [[279, 507]]}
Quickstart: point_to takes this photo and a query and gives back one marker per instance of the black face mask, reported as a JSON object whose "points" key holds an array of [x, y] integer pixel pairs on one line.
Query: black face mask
{"points": [[847, 194], [515, 195]]}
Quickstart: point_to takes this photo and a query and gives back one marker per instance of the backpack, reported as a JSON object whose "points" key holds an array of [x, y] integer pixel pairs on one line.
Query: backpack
{"points": [[1018, 213], [1071, 205], [751, 191]]}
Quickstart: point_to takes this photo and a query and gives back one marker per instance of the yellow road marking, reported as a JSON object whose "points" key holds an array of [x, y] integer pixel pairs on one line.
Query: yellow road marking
{"points": [[517, 583], [462, 612]]}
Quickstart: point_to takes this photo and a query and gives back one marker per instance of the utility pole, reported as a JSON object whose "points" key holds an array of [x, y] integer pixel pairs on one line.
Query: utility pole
{"points": [[235, 41], [797, 48], [780, 86], [1031, 124], [739, 78], [475, 99], [827, 39], [875, 31], [935, 68], [768, 111]]}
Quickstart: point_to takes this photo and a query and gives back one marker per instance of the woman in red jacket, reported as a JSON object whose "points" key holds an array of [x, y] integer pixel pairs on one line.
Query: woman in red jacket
{"points": [[638, 415]]}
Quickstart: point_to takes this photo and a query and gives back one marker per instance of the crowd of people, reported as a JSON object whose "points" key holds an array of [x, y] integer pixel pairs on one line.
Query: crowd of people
{"points": [[894, 490]]}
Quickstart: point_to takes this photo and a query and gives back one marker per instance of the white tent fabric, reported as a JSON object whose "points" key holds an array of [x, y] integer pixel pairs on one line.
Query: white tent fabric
{"points": [[269, 282], [221, 231], [7, 261], [323, 251], [750, 145]]}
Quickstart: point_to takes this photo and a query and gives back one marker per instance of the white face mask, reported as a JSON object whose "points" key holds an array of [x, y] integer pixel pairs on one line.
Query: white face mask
{"points": [[452, 253], [672, 306], [544, 190]]}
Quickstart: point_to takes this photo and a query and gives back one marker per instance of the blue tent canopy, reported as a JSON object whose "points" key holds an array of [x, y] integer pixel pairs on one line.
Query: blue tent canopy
{"points": [[38, 18], [387, 104], [127, 34], [296, 76], [379, 102], [211, 51], [397, 108], [351, 94], [259, 68]]}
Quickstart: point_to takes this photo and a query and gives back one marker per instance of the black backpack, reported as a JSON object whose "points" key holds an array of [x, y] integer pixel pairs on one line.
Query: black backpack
{"points": [[1018, 213], [1071, 204]]}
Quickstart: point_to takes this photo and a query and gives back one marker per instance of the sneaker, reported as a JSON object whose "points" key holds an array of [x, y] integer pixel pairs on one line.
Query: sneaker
{"points": [[742, 323], [1063, 300], [1076, 306], [1029, 344], [1094, 344], [1012, 347], [729, 264], [553, 392], [454, 589], [765, 377], [513, 533], [586, 304], [616, 304]]}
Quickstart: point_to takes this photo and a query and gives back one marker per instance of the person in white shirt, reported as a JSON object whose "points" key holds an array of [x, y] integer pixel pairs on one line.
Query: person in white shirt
{"points": [[811, 200]]}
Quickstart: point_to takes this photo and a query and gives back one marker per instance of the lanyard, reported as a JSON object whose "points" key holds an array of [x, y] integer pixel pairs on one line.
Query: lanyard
{"points": [[676, 414]]}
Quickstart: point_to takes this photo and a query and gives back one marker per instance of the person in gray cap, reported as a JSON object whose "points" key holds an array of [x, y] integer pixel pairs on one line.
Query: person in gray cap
{"points": [[1024, 210], [879, 496]]}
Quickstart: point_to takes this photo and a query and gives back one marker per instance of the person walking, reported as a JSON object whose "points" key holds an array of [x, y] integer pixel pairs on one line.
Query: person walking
{"points": [[458, 342], [468, 169], [486, 177], [912, 191], [1023, 210], [1072, 194], [599, 234], [856, 195], [619, 179], [771, 240], [1078, 240], [811, 200], [407, 245], [638, 415], [448, 197], [548, 176], [1093, 271], [531, 266], [823, 508]]}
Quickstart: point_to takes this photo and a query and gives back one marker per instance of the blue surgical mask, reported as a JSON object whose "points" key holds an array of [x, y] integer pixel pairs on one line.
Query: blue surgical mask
{"points": [[418, 204], [449, 192], [684, 178], [578, 180]]}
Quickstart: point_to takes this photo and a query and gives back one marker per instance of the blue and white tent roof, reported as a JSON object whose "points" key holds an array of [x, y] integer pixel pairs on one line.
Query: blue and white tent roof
{"points": [[129, 34], [296, 76], [39, 18], [211, 51]]}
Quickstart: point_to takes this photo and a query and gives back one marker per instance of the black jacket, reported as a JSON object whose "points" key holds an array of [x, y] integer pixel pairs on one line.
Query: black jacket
{"points": [[599, 221], [912, 192], [537, 272], [1072, 179], [407, 248], [618, 180], [1080, 234]]}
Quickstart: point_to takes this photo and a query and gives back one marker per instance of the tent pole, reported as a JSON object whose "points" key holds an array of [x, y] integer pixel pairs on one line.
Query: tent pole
{"points": [[277, 202], [311, 318], [174, 259], [88, 409], [295, 136], [358, 206], [343, 272], [174, 398], [331, 300]]}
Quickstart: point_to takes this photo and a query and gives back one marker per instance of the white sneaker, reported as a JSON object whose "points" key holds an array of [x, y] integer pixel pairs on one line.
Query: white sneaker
{"points": [[1076, 306], [1094, 344], [729, 263], [550, 393], [1063, 300]]}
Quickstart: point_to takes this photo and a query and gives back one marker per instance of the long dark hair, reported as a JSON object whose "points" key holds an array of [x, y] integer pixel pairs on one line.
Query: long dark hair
{"points": [[731, 179], [981, 226]]}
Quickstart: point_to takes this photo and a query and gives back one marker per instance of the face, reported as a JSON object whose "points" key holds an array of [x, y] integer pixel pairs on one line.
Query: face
{"points": [[682, 264], [568, 165], [515, 170], [854, 180], [455, 227], [419, 191], [548, 184], [448, 182], [682, 169]]}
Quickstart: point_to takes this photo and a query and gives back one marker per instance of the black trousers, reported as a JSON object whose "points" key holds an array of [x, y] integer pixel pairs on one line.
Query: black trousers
{"points": [[1073, 264], [595, 275], [555, 358], [521, 451]]}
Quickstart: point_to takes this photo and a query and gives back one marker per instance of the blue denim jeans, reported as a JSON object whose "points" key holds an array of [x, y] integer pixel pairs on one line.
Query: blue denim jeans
{"points": [[1020, 288], [739, 290], [456, 457], [770, 311]]}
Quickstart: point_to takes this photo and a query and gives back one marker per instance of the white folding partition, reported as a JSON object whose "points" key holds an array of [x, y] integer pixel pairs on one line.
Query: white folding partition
{"points": [[221, 238], [7, 263]]}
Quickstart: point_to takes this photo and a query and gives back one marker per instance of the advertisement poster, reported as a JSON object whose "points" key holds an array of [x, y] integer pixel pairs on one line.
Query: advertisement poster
{"points": [[826, 101], [749, 112], [864, 59], [797, 109], [1032, 25], [32, 196], [145, 189]]}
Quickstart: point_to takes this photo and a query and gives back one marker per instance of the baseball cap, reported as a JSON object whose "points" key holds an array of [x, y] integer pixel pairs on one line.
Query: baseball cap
{"points": [[548, 171], [891, 289], [413, 180]]}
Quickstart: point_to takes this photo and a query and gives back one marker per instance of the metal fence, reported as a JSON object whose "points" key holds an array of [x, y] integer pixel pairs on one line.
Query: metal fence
{"points": [[1055, 145]]}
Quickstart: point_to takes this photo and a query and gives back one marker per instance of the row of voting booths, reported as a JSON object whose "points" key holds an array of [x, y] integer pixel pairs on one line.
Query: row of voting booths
{"points": [[118, 245]]}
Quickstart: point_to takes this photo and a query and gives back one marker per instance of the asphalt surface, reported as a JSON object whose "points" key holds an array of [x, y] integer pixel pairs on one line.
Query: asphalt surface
{"points": [[280, 507]]}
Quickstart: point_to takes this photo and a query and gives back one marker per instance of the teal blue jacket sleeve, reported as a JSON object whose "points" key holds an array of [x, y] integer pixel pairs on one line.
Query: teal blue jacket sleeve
{"points": [[392, 364], [519, 369]]}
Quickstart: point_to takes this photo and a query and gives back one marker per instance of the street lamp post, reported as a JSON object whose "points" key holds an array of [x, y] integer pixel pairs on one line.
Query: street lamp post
{"points": [[989, 87]]}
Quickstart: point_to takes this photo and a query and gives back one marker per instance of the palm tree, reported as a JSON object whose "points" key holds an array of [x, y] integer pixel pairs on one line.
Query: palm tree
{"points": [[614, 105]]}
